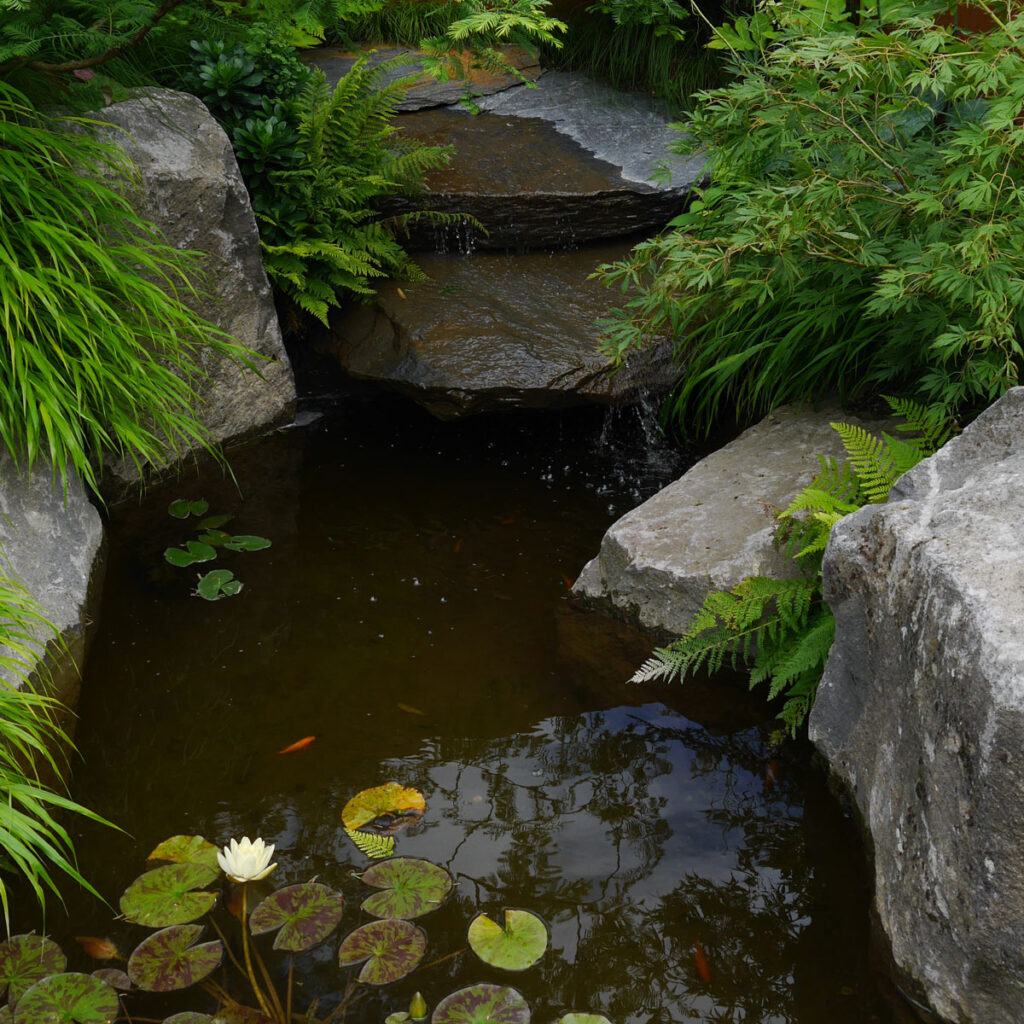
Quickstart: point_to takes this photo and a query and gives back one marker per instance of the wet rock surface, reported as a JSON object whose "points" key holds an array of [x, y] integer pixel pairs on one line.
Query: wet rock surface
{"points": [[191, 189], [921, 713], [423, 90], [713, 526], [51, 543], [495, 332], [530, 184]]}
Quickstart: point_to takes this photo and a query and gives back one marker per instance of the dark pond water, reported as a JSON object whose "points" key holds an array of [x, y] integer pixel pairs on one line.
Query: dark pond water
{"points": [[412, 615]]}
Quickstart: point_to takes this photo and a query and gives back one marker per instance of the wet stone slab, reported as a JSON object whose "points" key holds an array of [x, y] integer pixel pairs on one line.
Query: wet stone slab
{"points": [[494, 332], [528, 183]]}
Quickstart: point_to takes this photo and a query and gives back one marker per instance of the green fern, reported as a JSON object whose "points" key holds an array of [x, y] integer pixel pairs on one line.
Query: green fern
{"points": [[782, 629], [372, 846]]}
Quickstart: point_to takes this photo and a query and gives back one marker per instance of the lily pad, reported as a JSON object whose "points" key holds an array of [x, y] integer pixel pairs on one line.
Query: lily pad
{"points": [[389, 800], [520, 944], [373, 846], [583, 1018], [238, 1014], [191, 553], [63, 998], [218, 583], [215, 538], [188, 1017], [7, 1015], [391, 950], [164, 895], [167, 960], [215, 522], [411, 887], [114, 977], [187, 850], [246, 542], [306, 915], [182, 508], [482, 1004], [24, 960]]}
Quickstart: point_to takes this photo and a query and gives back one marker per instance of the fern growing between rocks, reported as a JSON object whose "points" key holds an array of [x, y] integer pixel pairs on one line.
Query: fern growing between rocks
{"points": [[782, 628]]}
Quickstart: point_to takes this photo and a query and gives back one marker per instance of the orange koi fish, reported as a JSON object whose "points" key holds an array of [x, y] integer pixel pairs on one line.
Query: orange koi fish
{"points": [[98, 949], [703, 967], [298, 745]]}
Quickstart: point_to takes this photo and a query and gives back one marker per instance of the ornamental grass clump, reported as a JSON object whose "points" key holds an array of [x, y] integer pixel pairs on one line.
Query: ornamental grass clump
{"points": [[864, 226]]}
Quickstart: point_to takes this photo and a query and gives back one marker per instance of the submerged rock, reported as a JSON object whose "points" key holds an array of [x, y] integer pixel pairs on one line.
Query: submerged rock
{"points": [[921, 713], [191, 189], [52, 543], [495, 332], [713, 526], [568, 162]]}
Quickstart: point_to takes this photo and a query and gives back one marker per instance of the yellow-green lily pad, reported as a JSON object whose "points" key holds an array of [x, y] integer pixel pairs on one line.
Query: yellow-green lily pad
{"points": [[390, 800], [514, 947], [165, 896], [187, 850]]}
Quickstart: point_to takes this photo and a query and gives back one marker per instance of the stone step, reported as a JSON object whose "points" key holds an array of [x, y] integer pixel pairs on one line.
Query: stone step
{"points": [[567, 162], [496, 331]]}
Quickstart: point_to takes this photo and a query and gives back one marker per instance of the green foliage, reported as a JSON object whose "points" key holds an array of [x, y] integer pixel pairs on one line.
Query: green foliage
{"points": [[864, 228], [33, 840], [782, 628], [100, 350], [352, 156]]}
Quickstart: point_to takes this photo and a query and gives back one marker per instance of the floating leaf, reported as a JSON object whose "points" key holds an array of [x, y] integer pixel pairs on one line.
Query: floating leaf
{"points": [[187, 850], [237, 1014], [388, 800], [371, 845], [167, 960], [215, 522], [411, 887], [114, 977], [583, 1018], [25, 959], [62, 998], [215, 538], [482, 1004], [391, 950], [182, 509], [164, 895], [7, 1015], [306, 915], [192, 552], [218, 583], [246, 542], [520, 944], [188, 1017], [392, 1018]]}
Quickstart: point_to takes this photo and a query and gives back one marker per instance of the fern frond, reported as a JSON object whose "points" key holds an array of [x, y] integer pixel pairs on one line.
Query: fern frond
{"points": [[871, 460], [932, 422], [372, 846]]}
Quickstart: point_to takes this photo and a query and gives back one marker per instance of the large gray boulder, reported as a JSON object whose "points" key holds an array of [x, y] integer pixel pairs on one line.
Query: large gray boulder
{"points": [[51, 544], [191, 189], [496, 332], [713, 526], [921, 713]]}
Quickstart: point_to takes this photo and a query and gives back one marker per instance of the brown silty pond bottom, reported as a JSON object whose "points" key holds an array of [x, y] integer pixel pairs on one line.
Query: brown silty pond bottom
{"points": [[412, 615]]}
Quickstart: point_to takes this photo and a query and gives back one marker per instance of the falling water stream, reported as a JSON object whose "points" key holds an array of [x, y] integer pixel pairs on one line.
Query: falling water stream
{"points": [[413, 615]]}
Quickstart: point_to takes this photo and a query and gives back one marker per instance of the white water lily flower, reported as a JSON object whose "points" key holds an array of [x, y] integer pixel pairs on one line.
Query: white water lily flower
{"points": [[246, 861]]}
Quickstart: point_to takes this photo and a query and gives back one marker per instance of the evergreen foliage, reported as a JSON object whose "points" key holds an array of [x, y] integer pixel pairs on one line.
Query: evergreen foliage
{"points": [[864, 225], [782, 628]]}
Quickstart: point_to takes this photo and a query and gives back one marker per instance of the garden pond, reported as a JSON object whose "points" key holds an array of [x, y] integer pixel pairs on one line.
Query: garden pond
{"points": [[412, 616]]}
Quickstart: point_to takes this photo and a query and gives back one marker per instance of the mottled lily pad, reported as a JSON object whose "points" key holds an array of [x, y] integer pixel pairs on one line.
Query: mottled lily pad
{"points": [[391, 799], [63, 998], [410, 887], [164, 895], [187, 850], [182, 508], [482, 1004], [114, 977], [583, 1018], [306, 915], [391, 950], [25, 959], [188, 1017], [167, 960], [520, 944], [372, 845], [191, 553]]}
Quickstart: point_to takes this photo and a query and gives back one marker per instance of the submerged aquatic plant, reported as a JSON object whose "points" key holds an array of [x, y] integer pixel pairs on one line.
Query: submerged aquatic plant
{"points": [[173, 896]]}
